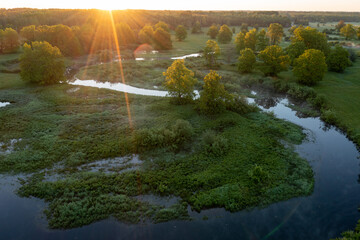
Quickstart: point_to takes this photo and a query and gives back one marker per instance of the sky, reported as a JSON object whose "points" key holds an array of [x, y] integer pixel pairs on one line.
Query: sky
{"points": [[292, 5]]}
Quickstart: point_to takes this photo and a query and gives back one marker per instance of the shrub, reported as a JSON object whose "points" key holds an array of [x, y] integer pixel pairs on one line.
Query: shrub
{"points": [[213, 144], [338, 59], [258, 175], [247, 61]]}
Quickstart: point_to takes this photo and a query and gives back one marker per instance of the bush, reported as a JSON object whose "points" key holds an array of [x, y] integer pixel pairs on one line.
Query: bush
{"points": [[258, 175], [338, 59], [173, 137], [247, 61], [213, 144]]}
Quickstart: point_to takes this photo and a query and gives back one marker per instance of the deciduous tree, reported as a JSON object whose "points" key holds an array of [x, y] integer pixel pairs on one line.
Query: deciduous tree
{"points": [[310, 67], [275, 33], [213, 97], [247, 61], [180, 33], [348, 31], [180, 82], [162, 39], [146, 34], [240, 41], [262, 41], [225, 34], [213, 32], [42, 63], [251, 39], [274, 60], [211, 52], [338, 59]]}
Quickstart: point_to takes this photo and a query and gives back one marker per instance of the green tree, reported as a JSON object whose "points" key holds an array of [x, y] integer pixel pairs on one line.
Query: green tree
{"points": [[42, 63], [262, 41], [312, 38], [274, 60], [275, 33], [240, 41], [225, 34], [162, 39], [292, 29], [338, 59], [295, 50], [247, 60], [358, 33], [310, 67], [213, 97], [125, 34], [28, 33], [180, 33], [180, 82], [340, 25], [211, 52], [251, 39], [162, 25], [244, 28], [146, 34], [196, 28], [348, 31], [213, 32]]}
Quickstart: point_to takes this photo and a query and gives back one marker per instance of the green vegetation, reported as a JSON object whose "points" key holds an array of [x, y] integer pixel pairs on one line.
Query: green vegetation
{"points": [[274, 60], [351, 235], [310, 67], [180, 33], [338, 59], [225, 34], [213, 31], [42, 63], [211, 52], [275, 33], [180, 82], [247, 61]]}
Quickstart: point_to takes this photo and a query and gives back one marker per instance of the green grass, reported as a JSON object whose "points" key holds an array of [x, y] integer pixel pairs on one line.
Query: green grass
{"points": [[342, 93]]}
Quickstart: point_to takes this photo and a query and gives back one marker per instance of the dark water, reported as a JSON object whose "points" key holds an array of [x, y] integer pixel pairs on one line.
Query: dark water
{"points": [[331, 209]]}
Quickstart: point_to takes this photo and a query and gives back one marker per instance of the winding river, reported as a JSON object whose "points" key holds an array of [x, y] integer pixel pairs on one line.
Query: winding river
{"points": [[331, 209]]}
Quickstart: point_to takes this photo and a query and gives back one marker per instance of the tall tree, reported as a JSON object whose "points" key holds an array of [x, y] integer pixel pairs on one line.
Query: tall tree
{"points": [[312, 38], [180, 33], [213, 31], [214, 97], [240, 41], [247, 61], [10, 40], [125, 34], [274, 60], [275, 33], [180, 82], [162, 25], [225, 34], [28, 33], [211, 52], [262, 41], [251, 39], [348, 31], [146, 34], [196, 28], [42, 63], [310, 67], [162, 39]]}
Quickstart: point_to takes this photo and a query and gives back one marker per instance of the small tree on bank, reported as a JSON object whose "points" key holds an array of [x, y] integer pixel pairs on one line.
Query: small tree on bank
{"points": [[180, 33], [42, 63], [214, 97], [247, 61], [225, 34], [211, 52], [310, 67], [180, 82], [274, 60]]}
